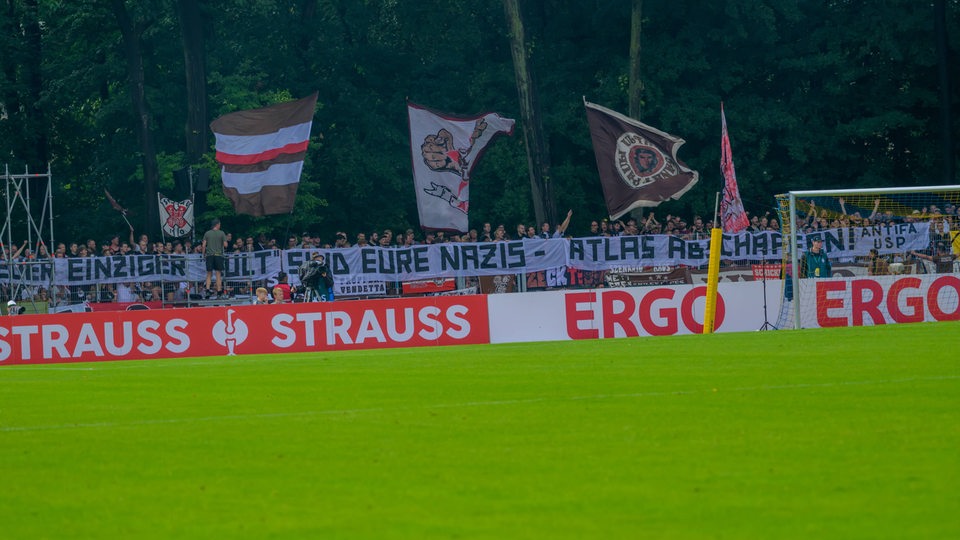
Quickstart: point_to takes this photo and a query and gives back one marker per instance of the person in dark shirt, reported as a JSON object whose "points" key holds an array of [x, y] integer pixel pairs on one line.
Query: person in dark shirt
{"points": [[816, 264], [941, 256], [214, 244]]}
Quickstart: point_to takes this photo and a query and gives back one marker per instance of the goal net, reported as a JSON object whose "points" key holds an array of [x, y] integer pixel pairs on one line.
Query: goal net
{"points": [[871, 256]]}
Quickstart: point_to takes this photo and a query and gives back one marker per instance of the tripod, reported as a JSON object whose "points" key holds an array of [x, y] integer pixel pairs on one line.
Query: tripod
{"points": [[312, 294], [763, 277]]}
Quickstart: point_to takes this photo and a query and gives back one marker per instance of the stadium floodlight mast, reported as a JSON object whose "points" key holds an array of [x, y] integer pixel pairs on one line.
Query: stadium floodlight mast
{"points": [[863, 210]]}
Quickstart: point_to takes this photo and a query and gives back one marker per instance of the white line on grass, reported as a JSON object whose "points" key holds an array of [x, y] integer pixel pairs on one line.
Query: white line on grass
{"points": [[490, 403], [206, 361]]}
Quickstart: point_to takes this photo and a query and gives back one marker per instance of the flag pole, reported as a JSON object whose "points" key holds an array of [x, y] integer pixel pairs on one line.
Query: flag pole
{"points": [[713, 272], [716, 211], [116, 206], [193, 229], [163, 235]]}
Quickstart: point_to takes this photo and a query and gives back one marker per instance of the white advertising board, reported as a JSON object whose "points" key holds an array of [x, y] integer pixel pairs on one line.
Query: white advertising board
{"points": [[627, 312]]}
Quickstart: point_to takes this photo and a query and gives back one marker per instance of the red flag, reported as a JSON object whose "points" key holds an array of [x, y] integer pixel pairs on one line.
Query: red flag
{"points": [[637, 163], [262, 153], [732, 215]]}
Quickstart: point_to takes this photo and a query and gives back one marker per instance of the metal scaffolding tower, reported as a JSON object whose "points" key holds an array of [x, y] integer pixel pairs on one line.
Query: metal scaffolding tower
{"points": [[29, 199]]}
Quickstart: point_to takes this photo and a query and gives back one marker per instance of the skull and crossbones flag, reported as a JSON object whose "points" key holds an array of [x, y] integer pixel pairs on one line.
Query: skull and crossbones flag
{"points": [[176, 217]]}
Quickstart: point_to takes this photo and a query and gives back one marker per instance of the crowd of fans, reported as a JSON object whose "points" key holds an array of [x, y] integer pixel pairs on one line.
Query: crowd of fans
{"points": [[945, 225]]}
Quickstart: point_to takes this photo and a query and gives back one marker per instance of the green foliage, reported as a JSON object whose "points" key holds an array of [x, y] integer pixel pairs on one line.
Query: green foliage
{"points": [[817, 94]]}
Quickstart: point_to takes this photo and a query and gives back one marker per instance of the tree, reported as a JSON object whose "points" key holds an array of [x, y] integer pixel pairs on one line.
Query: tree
{"points": [[538, 151], [21, 97], [943, 76], [818, 94], [635, 93], [191, 16], [131, 31]]}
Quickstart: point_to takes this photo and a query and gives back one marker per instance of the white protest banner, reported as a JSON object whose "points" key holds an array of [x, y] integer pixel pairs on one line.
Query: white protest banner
{"points": [[465, 259]]}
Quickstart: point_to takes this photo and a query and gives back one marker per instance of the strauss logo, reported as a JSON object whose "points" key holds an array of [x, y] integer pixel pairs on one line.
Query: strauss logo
{"points": [[230, 333]]}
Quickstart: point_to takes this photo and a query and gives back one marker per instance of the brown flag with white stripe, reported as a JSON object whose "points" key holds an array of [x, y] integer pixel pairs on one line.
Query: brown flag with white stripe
{"points": [[262, 153]]}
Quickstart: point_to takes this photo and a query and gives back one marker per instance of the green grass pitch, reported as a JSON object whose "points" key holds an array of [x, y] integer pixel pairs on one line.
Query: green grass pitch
{"points": [[842, 433]]}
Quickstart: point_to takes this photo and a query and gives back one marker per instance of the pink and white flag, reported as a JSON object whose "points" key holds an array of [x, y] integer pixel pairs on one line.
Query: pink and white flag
{"points": [[732, 214], [445, 150], [262, 153]]}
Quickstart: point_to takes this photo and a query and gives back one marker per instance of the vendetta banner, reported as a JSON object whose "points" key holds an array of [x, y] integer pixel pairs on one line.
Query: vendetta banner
{"points": [[262, 153], [637, 163], [445, 149]]}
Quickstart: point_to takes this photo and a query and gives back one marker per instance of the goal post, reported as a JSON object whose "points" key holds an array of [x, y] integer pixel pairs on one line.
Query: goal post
{"points": [[856, 257]]}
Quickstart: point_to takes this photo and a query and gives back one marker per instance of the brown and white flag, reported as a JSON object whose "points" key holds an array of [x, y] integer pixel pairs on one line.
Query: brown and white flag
{"points": [[638, 163], [262, 153]]}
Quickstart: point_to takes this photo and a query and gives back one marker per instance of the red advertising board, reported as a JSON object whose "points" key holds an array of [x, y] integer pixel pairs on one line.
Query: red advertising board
{"points": [[217, 331], [766, 271], [427, 286]]}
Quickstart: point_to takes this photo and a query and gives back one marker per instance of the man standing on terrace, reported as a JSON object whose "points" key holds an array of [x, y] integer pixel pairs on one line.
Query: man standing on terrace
{"points": [[214, 242]]}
